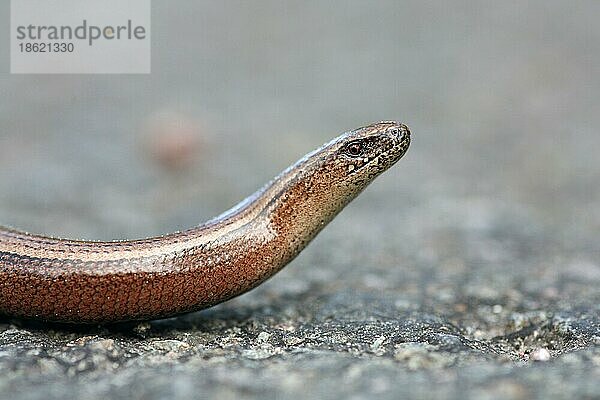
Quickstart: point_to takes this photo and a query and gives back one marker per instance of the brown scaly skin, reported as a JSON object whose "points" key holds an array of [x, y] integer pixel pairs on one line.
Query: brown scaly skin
{"points": [[95, 282]]}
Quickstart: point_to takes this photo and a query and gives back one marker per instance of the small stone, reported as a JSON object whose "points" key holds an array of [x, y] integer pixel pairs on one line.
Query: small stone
{"points": [[293, 340], [376, 345], [263, 336], [540, 354], [103, 345], [142, 328], [170, 345]]}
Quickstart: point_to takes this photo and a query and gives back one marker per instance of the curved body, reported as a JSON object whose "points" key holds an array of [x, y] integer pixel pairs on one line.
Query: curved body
{"points": [[83, 281]]}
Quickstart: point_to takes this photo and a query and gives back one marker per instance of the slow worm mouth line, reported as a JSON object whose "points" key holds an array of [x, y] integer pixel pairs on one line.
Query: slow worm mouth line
{"points": [[95, 282]]}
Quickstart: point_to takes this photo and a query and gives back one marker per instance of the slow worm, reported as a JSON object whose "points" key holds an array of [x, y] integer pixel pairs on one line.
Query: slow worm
{"points": [[95, 282]]}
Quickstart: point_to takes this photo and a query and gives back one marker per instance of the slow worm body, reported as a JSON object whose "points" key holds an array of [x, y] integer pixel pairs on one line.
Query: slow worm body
{"points": [[84, 281]]}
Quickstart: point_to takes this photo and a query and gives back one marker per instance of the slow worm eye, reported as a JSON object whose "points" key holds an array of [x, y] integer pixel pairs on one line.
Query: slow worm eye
{"points": [[355, 149]]}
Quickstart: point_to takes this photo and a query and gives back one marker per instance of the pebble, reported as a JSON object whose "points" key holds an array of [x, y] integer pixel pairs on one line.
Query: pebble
{"points": [[540, 354], [263, 336]]}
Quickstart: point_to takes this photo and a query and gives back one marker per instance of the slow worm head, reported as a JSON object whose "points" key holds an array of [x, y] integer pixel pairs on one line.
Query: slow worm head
{"points": [[83, 281]]}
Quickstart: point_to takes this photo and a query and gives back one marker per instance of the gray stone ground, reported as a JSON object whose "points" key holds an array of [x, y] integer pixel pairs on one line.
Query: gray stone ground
{"points": [[469, 270]]}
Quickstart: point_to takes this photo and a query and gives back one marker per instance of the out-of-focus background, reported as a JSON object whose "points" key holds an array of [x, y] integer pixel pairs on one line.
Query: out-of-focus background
{"points": [[486, 232]]}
